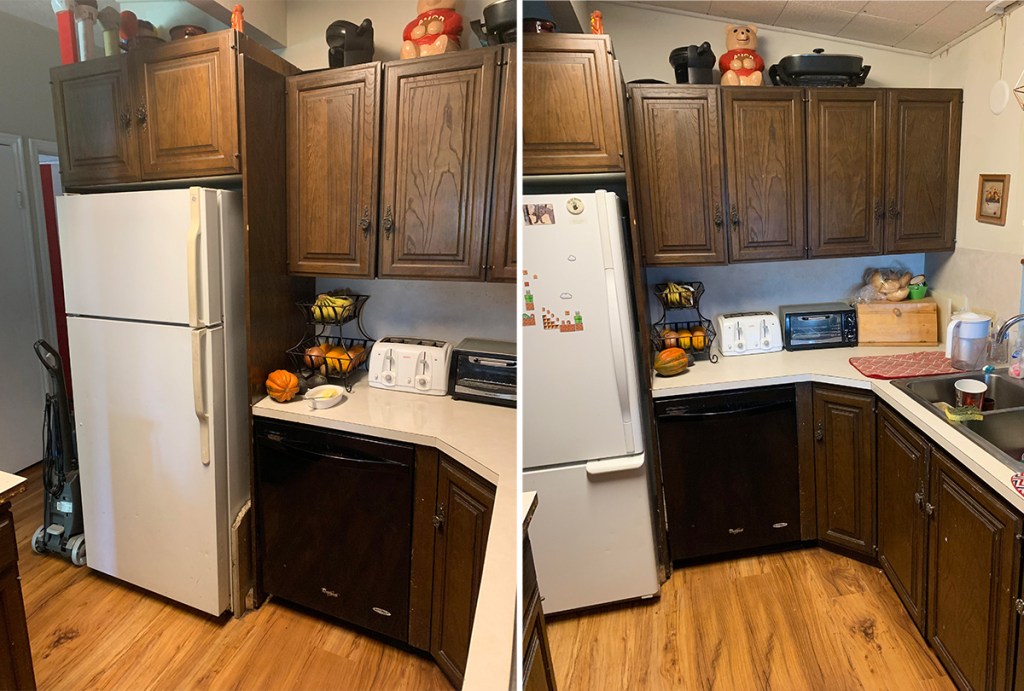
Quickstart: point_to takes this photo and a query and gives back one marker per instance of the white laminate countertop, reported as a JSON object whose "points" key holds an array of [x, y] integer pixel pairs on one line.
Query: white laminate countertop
{"points": [[481, 437], [832, 366], [10, 485]]}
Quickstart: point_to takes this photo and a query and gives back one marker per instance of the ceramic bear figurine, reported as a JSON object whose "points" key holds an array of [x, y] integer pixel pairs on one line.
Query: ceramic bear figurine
{"points": [[350, 44], [740, 64], [435, 30]]}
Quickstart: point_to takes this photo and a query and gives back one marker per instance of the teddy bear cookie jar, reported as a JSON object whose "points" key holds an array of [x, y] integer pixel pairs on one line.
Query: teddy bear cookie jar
{"points": [[740, 64], [436, 30]]}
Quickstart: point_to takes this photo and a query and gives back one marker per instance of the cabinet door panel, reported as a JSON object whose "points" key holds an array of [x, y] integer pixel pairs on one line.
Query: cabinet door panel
{"points": [[922, 169], [902, 522], [844, 461], [333, 135], [187, 108], [973, 578], [96, 132], [764, 142], [678, 163], [438, 140], [845, 164], [464, 511], [501, 265], [571, 121]]}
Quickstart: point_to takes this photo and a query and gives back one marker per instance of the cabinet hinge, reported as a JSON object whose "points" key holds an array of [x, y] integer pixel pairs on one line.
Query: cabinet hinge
{"points": [[1018, 605]]}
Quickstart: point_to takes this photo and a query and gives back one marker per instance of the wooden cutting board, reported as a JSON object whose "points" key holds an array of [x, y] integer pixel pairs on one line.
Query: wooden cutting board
{"points": [[910, 322]]}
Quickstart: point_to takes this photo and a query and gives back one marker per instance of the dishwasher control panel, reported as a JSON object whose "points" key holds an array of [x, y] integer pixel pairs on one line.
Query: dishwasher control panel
{"points": [[747, 333]]}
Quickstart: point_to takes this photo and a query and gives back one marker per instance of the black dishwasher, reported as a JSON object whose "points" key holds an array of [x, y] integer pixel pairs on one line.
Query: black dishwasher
{"points": [[731, 470], [334, 522]]}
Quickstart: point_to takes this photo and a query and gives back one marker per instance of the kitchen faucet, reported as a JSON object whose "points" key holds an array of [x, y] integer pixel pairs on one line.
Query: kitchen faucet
{"points": [[1005, 328]]}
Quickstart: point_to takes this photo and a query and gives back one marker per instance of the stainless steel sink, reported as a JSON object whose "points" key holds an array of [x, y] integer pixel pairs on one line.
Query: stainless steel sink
{"points": [[1000, 432]]}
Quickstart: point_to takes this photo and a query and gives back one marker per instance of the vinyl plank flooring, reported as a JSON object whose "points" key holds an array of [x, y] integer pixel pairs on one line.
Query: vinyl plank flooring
{"points": [[805, 619], [89, 631]]}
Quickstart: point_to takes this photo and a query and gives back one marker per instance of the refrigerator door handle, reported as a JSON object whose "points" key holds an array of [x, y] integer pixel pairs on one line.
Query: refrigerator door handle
{"points": [[195, 270], [615, 465], [200, 358], [619, 364]]}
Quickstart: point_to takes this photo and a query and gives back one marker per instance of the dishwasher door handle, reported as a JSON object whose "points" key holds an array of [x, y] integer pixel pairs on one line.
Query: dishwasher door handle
{"points": [[688, 414], [299, 449], [615, 465]]}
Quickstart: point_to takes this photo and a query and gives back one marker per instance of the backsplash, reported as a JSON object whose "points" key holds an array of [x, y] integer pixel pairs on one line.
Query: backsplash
{"points": [[444, 310], [765, 286]]}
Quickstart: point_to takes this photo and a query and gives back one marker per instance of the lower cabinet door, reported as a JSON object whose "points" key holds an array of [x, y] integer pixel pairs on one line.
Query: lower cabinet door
{"points": [[463, 518], [973, 576], [903, 458]]}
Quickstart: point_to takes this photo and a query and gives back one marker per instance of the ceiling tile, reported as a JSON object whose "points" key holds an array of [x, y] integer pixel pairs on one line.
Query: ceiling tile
{"points": [[925, 39], [885, 32], [957, 19], [826, 18], [689, 6], [908, 11], [762, 13]]}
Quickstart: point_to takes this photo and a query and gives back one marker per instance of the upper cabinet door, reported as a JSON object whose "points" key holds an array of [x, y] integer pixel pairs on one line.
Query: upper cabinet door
{"points": [[186, 107], [922, 169], [571, 107], [764, 143], [96, 131], [678, 163], [333, 137], [501, 266], [845, 171], [437, 161]]}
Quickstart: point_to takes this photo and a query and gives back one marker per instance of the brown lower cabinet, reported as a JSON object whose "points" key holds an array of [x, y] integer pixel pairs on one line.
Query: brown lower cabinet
{"points": [[462, 520], [16, 661], [844, 460], [538, 674]]}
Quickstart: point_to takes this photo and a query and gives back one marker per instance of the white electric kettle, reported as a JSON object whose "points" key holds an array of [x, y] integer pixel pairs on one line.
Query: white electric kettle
{"points": [[967, 340]]}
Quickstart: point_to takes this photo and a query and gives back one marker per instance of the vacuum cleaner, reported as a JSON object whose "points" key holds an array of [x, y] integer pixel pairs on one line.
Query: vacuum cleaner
{"points": [[62, 531]]}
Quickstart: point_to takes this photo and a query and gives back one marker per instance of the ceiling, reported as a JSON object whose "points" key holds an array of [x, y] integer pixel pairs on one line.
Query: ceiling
{"points": [[919, 26], [37, 11]]}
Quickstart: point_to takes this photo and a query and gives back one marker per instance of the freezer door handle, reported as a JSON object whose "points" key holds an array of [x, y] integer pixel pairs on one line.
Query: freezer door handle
{"points": [[195, 271], [200, 357], [619, 364], [615, 465]]}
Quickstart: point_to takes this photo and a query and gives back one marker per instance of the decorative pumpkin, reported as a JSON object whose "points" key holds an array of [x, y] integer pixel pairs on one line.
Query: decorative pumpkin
{"points": [[670, 362], [282, 385]]}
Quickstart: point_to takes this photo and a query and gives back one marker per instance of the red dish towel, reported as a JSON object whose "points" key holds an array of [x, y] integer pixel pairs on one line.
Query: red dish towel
{"points": [[904, 366]]}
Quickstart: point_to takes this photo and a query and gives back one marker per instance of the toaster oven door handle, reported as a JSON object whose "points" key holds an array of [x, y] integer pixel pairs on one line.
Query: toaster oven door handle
{"points": [[487, 362]]}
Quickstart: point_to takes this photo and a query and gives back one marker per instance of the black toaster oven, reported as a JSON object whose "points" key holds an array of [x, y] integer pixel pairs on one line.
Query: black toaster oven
{"points": [[484, 371], [819, 325]]}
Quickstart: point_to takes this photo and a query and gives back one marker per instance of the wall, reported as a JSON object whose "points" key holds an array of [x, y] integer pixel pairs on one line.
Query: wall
{"points": [[643, 39], [985, 271], [29, 51], [308, 21]]}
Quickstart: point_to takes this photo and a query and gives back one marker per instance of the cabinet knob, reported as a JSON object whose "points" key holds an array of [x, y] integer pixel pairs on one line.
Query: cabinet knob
{"points": [[126, 120], [928, 508], [918, 498], [718, 216], [734, 216], [439, 517], [389, 224], [819, 434], [894, 213], [142, 115], [364, 222], [879, 211]]}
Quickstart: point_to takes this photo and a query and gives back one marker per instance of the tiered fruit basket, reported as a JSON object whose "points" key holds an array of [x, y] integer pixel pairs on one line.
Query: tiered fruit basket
{"points": [[694, 335], [325, 353]]}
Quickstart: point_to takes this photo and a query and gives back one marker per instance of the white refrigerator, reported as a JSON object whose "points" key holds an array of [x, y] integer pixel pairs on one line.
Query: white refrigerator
{"points": [[153, 284], [583, 443]]}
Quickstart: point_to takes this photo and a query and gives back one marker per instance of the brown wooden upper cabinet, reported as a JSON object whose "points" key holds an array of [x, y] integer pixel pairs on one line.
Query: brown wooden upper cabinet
{"points": [[883, 170], [571, 109], [677, 160], [404, 170], [158, 113], [764, 148]]}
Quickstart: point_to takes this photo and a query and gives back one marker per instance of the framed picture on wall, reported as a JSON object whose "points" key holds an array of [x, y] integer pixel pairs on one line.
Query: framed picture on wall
{"points": [[993, 191]]}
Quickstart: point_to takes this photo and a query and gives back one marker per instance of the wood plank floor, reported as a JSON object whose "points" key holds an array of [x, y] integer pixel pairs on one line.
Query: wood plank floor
{"points": [[806, 619], [89, 631]]}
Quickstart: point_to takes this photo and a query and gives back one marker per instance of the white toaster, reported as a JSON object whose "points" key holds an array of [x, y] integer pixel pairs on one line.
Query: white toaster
{"points": [[746, 333], [416, 365]]}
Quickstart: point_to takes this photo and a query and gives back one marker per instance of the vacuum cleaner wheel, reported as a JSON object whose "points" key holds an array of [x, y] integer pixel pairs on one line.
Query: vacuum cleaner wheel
{"points": [[77, 547], [37, 540]]}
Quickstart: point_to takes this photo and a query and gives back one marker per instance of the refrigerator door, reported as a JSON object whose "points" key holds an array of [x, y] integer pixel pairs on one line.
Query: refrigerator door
{"points": [[146, 256], [149, 411], [591, 535], [580, 391]]}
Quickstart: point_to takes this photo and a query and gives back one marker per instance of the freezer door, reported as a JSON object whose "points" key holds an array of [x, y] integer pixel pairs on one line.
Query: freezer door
{"points": [[592, 534], [147, 256], [580, 391], [149, 409]]}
